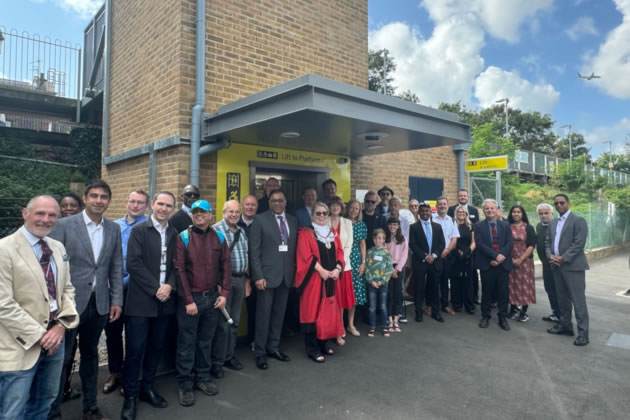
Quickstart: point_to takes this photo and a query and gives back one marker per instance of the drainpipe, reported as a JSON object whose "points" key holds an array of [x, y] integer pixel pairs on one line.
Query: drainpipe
{"points": [[460, 150], [209, 148], [106, 67], [200, 88]]}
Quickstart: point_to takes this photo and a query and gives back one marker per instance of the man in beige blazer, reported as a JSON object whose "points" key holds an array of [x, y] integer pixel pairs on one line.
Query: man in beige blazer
{"points": [[36, 308]]}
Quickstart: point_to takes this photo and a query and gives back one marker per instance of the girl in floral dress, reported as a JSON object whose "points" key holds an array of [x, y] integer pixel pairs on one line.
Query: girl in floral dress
{"points": [[357, 260]]}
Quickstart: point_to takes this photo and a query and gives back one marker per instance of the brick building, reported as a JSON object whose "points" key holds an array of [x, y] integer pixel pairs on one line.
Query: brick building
{"points": [[253, 49]]}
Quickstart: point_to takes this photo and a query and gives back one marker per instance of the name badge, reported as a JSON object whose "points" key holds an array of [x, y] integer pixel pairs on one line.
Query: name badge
{"points": [[162, 267], [53, 305], [378, 258], [283, 248]]}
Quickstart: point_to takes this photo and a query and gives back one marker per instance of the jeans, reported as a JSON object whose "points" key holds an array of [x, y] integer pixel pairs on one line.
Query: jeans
{"points": [[226, 334], [378, 295], [145, 339], [41, 382], [194, 340]]}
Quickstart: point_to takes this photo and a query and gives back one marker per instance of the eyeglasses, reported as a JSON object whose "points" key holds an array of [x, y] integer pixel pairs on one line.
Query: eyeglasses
{"points": [[559, 203], [191, 194], [369, 201], [413, 205], [321, 213]]}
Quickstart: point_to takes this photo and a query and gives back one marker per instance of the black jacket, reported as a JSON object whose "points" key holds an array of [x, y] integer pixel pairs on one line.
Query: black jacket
{"points": [[143, 263], [473, 213], [180, 220], [419, 245]]}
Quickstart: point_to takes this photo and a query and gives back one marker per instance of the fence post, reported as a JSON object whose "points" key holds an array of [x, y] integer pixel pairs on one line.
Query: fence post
{"points": [[590, 224]]}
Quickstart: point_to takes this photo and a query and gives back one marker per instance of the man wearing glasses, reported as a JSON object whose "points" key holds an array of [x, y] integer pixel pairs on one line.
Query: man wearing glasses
{"points": [[371, 219], [386, 194], [182, 219], [564, 246], [137, 202], [272, 243]]}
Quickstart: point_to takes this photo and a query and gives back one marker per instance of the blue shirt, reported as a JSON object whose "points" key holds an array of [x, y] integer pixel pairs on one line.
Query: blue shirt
{"points": [[125, 231]]}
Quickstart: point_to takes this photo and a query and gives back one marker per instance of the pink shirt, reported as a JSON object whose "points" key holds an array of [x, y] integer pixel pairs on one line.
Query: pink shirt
{"points": [[399, 252]]}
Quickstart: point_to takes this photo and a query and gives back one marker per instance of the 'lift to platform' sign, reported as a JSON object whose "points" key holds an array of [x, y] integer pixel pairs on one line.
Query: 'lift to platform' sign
{"points": [[493, 163]]}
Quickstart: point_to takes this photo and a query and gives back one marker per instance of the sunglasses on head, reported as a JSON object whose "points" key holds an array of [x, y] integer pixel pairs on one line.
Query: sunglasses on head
{"points": [[370, 201], [321, 213]]}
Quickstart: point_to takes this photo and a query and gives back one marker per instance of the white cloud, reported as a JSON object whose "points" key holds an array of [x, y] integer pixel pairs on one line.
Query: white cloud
{"points": [[532, 62], [612, 60], [443, 67], [583, 26], [84, 8], [494, 84], [618, 133]]}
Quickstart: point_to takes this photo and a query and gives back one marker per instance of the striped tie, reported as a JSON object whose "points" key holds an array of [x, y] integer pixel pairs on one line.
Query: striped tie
{"points": [[48, 273]]}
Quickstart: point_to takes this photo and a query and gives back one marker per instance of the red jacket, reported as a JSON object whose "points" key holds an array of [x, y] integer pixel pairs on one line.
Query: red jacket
{"points": [[198, 264]]}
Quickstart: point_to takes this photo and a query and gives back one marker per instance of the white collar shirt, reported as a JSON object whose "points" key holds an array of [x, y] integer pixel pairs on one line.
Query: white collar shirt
{"points": [[449, 229], [561, 220], [95, 232], [162, 231], [33, 241]]}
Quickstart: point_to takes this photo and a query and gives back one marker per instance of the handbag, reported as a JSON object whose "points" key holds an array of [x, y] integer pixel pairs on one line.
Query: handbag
{"points": [[328, 323]]}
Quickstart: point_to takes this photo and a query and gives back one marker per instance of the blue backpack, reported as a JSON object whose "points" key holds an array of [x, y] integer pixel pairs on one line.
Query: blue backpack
{"points": [[185, 235]]}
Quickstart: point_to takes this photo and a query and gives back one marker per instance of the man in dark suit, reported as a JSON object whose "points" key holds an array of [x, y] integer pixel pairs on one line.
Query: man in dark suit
{"points": [[545, 215], [371, 219], [93, 244], [494, 259], [272, 244], [271, 184], [182, 218], [303, 214], [426, 242], [462, 200], [566, 238], [151, 303]]}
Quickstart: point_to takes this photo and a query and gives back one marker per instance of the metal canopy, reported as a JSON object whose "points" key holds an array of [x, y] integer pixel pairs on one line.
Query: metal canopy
{"points": [[333, 117]]}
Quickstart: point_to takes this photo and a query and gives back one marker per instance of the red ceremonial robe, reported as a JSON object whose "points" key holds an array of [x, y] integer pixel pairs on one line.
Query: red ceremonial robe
{"points": [[307, 256]]}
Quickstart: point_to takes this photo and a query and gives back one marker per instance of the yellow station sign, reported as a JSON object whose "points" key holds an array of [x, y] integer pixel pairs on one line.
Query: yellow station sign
{"points": [[492, 163]]}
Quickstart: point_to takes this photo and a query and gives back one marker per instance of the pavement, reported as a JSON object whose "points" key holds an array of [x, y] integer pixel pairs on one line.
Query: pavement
{"points": [[453, 370]]}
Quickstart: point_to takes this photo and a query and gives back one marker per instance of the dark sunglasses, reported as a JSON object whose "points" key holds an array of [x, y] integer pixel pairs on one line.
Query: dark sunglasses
{"points": [[370, 201], [191, 194], [559, 203], [321, 213]]}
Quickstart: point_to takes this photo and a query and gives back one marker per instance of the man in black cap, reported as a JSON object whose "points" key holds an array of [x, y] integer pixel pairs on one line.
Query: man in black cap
{"points": [[386, 194]]}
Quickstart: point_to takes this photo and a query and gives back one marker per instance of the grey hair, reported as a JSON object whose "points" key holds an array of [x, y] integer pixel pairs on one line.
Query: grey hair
{"points": [[225, 205], [396, 198], [542, 205], [490, 200], [30, 203]]}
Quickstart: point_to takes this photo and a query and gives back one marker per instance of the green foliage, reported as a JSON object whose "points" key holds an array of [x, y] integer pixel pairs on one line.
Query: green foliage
{"points": [[408, 95], [85, 151], [486, 142], [621, 197], [578, 144], [377, 62], [621, 163]]}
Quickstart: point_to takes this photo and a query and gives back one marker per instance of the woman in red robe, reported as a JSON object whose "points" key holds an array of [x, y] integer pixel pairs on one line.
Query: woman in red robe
{"points": [[319, 262]]}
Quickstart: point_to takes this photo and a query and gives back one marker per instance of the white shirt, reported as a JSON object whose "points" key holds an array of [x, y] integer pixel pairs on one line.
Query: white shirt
{"points": [[559, 226], [162, 231], [286, 224], [37, 249], [187, 209], [95, 233], [448, 228]]}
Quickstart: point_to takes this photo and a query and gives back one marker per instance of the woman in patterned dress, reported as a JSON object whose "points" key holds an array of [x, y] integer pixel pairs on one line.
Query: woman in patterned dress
{"points": [[357, 260], [522, 286]]}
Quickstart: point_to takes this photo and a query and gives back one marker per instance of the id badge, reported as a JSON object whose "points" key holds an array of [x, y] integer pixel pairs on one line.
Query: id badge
{"points": [[283, 248], [162, 267], [53, 305], [378, 258]]}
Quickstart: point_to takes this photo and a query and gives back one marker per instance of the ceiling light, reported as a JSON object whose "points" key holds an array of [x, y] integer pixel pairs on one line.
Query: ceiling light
{"points": [[375, 146], [372, 136], [290, 135]]}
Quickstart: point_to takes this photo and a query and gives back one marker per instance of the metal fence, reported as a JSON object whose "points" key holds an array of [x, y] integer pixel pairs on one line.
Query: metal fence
{"points": [[540, 164], [36, 123], [30, 63]]}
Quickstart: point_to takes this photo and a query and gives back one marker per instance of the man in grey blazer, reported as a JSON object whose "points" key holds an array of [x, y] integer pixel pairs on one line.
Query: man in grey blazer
{"points": [[564, 247], [272, 243], [93, 244]]}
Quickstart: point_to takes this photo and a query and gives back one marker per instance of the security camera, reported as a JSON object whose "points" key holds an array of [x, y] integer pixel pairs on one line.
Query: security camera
{"points": [[343, 160]]}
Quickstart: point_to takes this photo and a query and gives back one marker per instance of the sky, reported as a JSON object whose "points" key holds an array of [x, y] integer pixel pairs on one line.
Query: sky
{"points": [[473, 51]]}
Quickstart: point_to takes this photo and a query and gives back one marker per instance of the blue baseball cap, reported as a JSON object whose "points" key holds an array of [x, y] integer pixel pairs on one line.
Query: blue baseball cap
{"points": [[201, 204]]}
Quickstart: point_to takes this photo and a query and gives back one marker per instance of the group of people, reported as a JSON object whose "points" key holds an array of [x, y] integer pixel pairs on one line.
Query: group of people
{"points": [[69, 271]]}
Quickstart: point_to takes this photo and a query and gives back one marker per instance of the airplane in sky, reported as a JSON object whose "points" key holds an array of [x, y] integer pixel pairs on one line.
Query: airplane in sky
{"points": [[592, 76]]}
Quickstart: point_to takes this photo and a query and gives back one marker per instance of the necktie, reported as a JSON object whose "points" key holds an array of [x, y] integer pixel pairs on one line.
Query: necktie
{"points": [[283, 230], [427, 232], [495, 237], [44, 261]]}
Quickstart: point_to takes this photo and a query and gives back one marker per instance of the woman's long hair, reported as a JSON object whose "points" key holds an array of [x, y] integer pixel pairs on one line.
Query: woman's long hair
{"points": [[467, 222], [524, 218], [398, 237]]}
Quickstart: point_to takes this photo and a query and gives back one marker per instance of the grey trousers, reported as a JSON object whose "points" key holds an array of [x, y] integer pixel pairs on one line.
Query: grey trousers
{"points": [[226, 335], [270, 307], [570, 290]]}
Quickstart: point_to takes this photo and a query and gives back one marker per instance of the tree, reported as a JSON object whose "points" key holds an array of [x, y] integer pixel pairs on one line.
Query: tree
{"points": [[408, 95], [578, 144], [621, 162], [487, 143], [381, 66]]}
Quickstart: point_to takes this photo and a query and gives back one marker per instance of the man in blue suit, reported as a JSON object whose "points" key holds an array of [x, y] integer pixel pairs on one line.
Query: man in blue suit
{"points": [[303, 214], [494, 259]]}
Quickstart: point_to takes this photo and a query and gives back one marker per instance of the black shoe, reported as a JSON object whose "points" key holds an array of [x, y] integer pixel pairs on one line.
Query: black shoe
{"points": [[558, 330], [233, 363], [129, 409], [186, 398], [153, 398], [493, 305], [484, 322], [551, 318], [504, 324], [457, 309], [477, 301], [419, 317], [470, 311], [261, 363], [279, 356], [217, 371], [208, 388], [581, 341], [436, 315]]}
